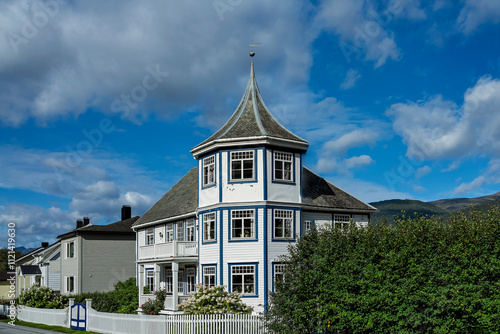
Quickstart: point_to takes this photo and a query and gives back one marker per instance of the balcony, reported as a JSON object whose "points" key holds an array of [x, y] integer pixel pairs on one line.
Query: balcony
{"points": [[168, 250]]}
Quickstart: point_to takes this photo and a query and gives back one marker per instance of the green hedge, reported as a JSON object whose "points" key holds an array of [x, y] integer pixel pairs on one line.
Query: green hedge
{"points": [[419, 276]]}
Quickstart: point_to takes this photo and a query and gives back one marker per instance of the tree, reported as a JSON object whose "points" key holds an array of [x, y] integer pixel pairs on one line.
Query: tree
{"points": [[4, 258], [214, 300], [422, 275]]}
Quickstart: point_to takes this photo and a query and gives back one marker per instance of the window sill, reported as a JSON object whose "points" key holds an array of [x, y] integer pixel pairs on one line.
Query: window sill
{"points": [[247, 239]]}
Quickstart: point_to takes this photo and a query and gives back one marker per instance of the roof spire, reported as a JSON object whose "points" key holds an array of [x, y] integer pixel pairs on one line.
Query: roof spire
{"points": [[252, 45]]}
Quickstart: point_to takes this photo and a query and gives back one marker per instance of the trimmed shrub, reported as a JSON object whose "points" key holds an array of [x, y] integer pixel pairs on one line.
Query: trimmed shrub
{"points": [[42, 297], [422, 275]]}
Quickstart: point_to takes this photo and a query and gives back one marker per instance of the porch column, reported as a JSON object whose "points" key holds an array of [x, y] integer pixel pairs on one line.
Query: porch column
{"points": [[140, 282], [175, 284], [157, 278]]}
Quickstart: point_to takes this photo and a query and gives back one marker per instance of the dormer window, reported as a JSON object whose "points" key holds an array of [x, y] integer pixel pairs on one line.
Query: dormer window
{"points": [[283, 166], [209, 171], [242, 166]]}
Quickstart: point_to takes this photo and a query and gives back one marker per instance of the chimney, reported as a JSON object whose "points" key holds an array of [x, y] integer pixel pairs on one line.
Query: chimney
{"points": [[45, 244], [86, 221], [126, 212], [79, 223]]}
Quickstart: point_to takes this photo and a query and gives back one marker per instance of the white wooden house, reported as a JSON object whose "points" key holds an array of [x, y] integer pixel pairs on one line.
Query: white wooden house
{"points": [[228, 220]]}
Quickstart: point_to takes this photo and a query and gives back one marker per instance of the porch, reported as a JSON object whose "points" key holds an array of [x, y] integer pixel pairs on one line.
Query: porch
{"points": [[177, 276]]}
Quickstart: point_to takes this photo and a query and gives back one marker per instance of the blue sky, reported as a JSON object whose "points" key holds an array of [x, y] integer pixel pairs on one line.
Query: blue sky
{"points": [[101, 102]]}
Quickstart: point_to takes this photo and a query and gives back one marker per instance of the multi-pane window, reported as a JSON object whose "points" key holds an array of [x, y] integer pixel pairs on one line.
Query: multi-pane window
{"points": [[242, 166], [168, 281], [191, 274], [307, 226], [282, 166], [209, 226], [150, 280], [243, 279], [180, 282], [150, 236], [279, 272], [170, 232], [180, 231], [190, 230], [243, 224], [70, 250], [283, 224], [209, 171], [209, 276], [70, 283], [341, 222]]}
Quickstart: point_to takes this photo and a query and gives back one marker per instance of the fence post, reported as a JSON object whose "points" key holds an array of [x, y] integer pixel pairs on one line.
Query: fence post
{"points": [[88, 303], [71, 303]]}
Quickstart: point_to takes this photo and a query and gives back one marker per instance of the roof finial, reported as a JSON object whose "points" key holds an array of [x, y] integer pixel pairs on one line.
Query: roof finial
{"points": [[252, 45]]}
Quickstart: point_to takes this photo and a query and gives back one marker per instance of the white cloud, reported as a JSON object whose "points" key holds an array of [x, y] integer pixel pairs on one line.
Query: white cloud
{"points": [[478, 12], [359, 161], [355, 138], [490, 176], [352, 76], [438, 129], [422, 171], [419, 189]]}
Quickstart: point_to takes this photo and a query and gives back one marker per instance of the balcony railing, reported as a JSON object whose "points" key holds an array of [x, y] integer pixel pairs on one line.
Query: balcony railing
{"points": [[169, 249]]}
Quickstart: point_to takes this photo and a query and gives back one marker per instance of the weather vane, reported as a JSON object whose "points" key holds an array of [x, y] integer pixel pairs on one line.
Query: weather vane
{"points": [[253, 45]]}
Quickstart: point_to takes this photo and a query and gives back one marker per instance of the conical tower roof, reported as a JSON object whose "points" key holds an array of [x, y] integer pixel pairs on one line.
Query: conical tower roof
{"points": [[251, 124]]}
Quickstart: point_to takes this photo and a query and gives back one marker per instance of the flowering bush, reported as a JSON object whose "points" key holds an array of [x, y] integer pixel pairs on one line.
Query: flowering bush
{"points": [[154, 306], [42, 297], [214, 300]]}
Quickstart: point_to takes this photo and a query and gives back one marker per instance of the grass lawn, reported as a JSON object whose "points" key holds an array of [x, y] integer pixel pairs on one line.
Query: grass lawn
{"points": [[52, 328]]}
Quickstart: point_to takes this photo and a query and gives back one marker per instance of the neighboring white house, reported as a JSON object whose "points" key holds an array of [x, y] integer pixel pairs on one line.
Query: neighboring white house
{"points": [[48, 260], [228, 220]]}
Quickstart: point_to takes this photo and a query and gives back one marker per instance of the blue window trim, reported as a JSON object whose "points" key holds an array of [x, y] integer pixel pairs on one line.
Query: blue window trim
{"points": [[293, 180], [202, 229], [215, 171], [255, 169], [264, 154], [202, 274], [294, 222], [256, 214], [256, 273], [220, 178]]}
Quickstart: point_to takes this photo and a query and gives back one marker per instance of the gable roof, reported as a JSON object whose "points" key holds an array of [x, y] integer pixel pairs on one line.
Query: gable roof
{"points": [[180, 200], [317, 193], [123, 227], [251, 121]]}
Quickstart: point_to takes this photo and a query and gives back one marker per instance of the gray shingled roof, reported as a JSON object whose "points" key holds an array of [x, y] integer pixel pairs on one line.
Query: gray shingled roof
{"points": [[318, 192], [181, 199], [31, 270], [120, 227], [252, 119]]}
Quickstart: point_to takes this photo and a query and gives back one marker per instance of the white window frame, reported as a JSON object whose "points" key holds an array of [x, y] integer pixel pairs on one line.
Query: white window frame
{"points": [[244, 271], [169, 280], [180, 281], [209, 274], [341, 221], [209, 227], [284, 172], [209, 171], [286, 226], [150, 236], [70, 280], [190, 235], [239, 165], [191, 280], [169, 232], [70, 250], [243, 224], [180, 231], [278, 272], [150, 280], [308, 226]]}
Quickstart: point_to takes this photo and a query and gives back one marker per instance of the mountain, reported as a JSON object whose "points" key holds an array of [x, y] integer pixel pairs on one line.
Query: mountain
{"points": [[443, 207], [394, 207]]}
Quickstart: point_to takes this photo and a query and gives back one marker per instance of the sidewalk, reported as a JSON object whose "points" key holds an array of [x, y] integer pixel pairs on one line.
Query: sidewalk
{"points": [[5, 328]]}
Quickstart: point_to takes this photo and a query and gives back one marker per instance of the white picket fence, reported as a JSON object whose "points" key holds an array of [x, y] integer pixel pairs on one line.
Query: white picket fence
{"points": [[113, 323], [215, 323]]}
